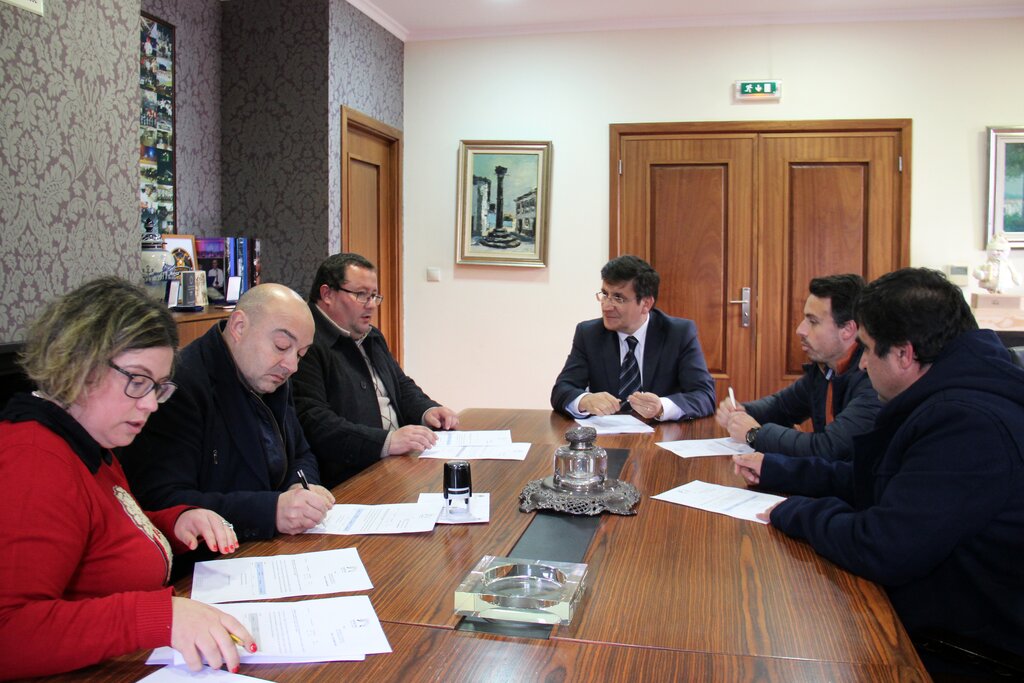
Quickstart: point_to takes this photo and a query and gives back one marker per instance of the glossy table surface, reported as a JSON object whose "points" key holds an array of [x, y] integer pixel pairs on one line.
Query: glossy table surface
{"points": [[672, 592]]}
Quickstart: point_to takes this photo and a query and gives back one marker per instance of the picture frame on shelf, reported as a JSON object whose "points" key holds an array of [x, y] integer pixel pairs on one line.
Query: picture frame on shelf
{"points": [[1006, 184], [157, 171], [183, 249], [504, 189]]}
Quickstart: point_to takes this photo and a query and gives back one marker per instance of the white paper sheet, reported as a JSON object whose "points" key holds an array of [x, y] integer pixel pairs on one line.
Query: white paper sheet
{"points": [[279, 576], [479, 509], [495, 437], [395, 518], [508, 451], [724, 500], [166, 655], [696, 448], [327, 630], [181, 674], [615, 424]]}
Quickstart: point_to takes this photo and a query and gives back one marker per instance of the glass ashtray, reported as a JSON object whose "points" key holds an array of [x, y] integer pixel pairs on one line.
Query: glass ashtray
{"points": [[510, 589]]}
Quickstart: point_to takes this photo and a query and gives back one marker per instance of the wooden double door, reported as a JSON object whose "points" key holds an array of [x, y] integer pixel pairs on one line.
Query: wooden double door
{"points": [[754, 210]]}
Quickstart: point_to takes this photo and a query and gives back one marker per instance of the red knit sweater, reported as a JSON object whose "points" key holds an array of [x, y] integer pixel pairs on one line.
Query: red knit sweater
{"points": [[82, 569]]}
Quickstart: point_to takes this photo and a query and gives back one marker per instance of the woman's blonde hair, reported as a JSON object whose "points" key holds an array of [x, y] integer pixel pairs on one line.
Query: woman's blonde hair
{"points": [[79, 333]]}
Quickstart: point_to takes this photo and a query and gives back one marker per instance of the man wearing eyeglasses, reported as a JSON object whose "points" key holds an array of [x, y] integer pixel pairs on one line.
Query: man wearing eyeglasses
{"points": [[355, 403], [634, 357]]}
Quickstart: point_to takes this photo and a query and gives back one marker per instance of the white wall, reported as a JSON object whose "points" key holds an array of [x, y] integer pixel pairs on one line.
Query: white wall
{"points": [[497, 337]]}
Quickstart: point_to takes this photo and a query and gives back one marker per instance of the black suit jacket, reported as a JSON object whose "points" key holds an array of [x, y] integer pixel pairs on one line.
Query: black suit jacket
{"points": [[673, 365], [337, 402], [205, 446]]}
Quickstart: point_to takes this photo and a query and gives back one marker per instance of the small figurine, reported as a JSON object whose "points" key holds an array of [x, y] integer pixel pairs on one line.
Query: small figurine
{"points": [[997, 274]]}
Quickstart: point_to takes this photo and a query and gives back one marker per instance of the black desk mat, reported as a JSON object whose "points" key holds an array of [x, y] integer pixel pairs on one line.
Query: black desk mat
{"points": [[553, 536]]}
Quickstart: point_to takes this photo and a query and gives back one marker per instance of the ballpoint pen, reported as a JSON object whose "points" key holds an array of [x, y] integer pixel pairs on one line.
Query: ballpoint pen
{"points": [[302, 478], [732, 398]]}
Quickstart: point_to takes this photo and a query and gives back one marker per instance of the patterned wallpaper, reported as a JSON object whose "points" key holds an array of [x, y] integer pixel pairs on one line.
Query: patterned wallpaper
{"points": [[274, 127], [68, 128], [288, 67], [197, 109], [367, 74]]}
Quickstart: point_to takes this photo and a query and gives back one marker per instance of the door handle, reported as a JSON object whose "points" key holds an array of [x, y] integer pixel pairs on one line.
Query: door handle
{"points": [[745, 311]]}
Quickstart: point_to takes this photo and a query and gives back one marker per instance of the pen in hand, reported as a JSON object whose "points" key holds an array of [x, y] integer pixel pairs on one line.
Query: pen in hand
{"points": [[302, 478], [732, 398]]}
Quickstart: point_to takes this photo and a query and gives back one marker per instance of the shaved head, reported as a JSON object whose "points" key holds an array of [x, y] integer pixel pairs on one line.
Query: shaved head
{"points": [[267, 333]]}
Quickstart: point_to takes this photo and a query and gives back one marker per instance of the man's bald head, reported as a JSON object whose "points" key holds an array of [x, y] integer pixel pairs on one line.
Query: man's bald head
{"points": [[267, 333]]}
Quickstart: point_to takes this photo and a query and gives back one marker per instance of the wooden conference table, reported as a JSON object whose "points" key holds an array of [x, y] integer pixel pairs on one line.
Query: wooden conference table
{"points": [[673, 593]]}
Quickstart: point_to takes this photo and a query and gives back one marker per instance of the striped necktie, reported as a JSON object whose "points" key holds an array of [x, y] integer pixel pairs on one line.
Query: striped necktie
{"points": [[629, 372]]}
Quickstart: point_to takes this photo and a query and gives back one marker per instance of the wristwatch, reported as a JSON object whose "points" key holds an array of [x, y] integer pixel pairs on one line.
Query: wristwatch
{"points": [[752, 435]]}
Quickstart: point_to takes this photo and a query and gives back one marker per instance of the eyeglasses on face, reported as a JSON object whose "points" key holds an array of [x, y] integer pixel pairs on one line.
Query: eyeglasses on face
{"points": [[616, 298], [364, 297], [139, 386]]}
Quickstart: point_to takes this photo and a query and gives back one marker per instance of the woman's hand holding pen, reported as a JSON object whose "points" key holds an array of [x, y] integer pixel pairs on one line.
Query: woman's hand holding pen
{"points": [[198, 523], [201, 632]]}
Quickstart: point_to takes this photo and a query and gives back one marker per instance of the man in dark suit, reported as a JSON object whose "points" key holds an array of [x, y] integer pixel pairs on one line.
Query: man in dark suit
{"points": [[634, 356], [229, 440], [355, 403]]}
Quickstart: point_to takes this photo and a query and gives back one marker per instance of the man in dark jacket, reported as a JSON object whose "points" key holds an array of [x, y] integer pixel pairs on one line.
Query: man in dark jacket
{"points": [[229, 439], [355, 403], [931, 506], [834, 392]]}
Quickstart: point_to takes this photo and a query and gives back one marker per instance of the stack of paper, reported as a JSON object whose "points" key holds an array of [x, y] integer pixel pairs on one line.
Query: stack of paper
{"points": [[478, 445]]}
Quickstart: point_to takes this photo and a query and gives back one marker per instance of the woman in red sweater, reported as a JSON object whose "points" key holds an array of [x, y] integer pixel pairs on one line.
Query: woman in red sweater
{"points": [[83, 570]]}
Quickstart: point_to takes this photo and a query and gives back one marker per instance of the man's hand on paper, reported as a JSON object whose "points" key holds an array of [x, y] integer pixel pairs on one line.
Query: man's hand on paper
{"points": [[411, 438], [299, 509], [646, 404], [440, 417], [766, 516], [748, 466], [201, 632], [601, 403]]}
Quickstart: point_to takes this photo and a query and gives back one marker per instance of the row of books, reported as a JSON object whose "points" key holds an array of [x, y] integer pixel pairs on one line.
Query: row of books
{"points": [[224, 257]]}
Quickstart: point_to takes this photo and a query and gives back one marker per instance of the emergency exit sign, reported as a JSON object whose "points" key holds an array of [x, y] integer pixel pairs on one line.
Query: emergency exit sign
{"points": [[758, 90]]}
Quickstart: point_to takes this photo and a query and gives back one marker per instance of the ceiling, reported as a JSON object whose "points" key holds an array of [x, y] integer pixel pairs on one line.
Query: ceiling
{"points": [[414, 20]]}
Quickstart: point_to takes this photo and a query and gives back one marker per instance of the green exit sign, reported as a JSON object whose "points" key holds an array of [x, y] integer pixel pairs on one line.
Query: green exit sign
{"points": [[758, 90]]}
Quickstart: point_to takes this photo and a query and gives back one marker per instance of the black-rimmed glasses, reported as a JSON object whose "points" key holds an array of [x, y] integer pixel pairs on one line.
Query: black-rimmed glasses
{"points": [[139, 386], [364, 297]]}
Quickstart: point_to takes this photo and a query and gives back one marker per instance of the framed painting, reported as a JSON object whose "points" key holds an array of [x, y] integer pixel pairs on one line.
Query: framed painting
{"points": [[157, 199], [183, 249], [31, 5], [504, 189], [1006, 184]]}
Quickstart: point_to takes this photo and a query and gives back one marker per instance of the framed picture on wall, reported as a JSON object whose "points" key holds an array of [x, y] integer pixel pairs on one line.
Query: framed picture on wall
{"points": [[157, 198], [183, 249], [503, 196], [1006, 184], [31, 5]]}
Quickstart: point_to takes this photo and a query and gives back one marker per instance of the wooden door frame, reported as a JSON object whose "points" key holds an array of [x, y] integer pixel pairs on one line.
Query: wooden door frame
{"points": [[620, 131], [391, 243]]}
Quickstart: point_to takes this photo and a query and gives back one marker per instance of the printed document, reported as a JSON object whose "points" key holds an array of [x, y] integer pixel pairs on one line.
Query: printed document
{"points": [[615, 424], [181, 674], [725, 500], [279, 576], [394, 518], [507, 451], [695, 448]]}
